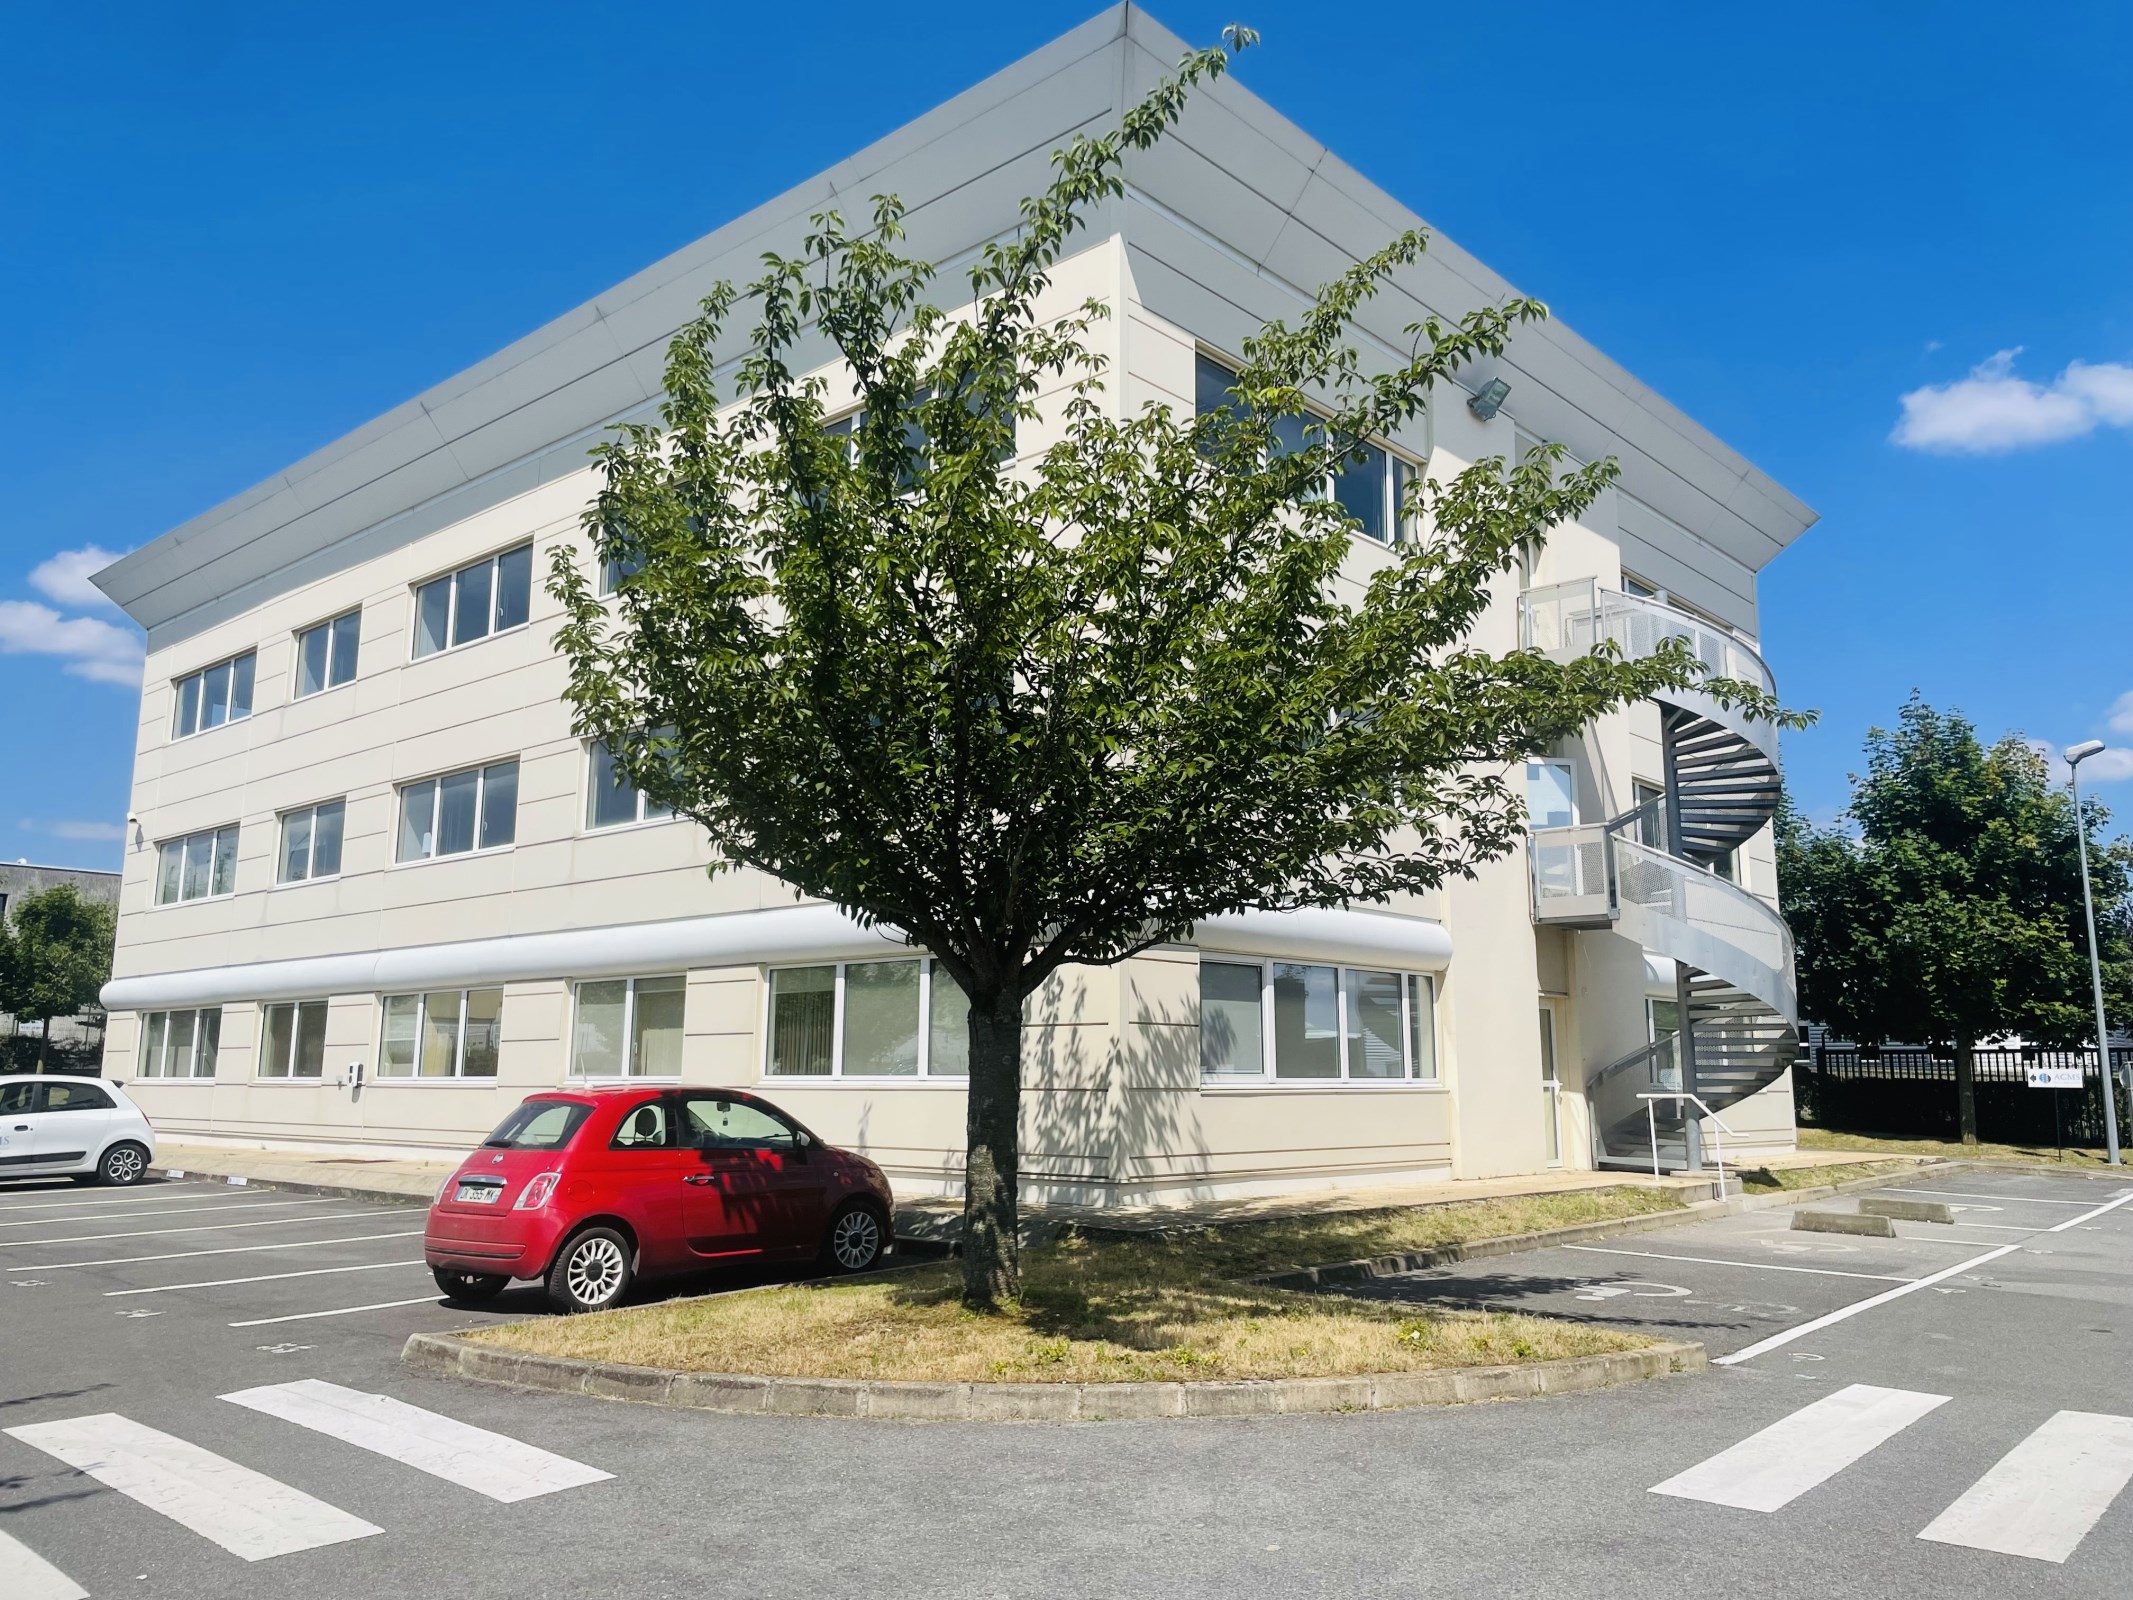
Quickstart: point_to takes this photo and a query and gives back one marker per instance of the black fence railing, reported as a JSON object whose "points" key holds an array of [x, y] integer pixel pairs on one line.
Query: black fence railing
{"points": [[1906, 1090]]}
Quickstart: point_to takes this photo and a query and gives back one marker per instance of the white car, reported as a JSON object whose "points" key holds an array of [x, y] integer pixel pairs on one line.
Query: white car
{"points": [[80, 1128]]}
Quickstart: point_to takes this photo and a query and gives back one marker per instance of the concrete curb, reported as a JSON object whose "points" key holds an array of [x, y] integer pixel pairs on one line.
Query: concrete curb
{"points": [[449, 1355], [1335, 1273]]}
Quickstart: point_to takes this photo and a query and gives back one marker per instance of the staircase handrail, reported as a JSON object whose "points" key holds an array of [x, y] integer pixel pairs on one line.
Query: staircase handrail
{"points": [[1718, 1145], [1753, 918], [1569, 619]]}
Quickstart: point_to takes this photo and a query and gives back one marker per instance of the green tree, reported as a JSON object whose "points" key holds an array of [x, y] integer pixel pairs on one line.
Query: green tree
{"points": [[1051, 704], [1946, 906], [55, 956]]}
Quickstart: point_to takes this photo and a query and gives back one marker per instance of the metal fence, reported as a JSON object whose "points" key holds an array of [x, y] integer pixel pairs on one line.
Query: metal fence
{"points": [[1908, 1090]]}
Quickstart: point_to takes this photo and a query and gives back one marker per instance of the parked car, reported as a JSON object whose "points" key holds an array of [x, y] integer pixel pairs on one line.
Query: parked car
{"points": [[591, 1189], [82, 1128]]}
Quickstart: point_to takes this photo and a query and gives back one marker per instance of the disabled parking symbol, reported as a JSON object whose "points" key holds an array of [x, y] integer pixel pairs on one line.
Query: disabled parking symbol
{"points": [[1634, 1288]]}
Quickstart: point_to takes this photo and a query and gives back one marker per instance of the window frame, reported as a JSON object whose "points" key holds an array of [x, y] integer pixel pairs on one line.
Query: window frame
{"points": [[198, 676], [458, 1075], [192, 1072], [571, 1074], [1413, 982], [481, 771], [493, 561], [234, 829], [924, 1076], [328, 626], [586, 825], [289, 1074], [281, 842]]}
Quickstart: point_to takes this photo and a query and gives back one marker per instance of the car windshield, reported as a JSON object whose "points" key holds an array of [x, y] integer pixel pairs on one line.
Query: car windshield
{"points": [[539, 1125]]}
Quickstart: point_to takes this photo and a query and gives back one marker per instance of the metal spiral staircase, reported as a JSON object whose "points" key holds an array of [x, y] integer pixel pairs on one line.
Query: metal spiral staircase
{"points": [[1732, 952]]}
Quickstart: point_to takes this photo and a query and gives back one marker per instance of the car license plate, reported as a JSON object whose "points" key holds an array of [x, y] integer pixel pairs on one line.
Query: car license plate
{"points": [[478, 1194]]}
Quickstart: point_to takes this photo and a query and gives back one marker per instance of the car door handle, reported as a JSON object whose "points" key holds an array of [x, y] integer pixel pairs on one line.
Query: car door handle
{"points": [[700, 1177], [22, 1127]]}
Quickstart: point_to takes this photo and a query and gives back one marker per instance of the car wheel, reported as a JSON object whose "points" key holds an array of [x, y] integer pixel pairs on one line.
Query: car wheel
{"points": [[468, 1288], [856, 1240], [591, 1272], [123, 1166]]}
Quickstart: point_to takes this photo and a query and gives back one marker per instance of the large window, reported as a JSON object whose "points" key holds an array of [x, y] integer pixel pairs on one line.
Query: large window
{"points": [[1283, 1020], [488, 597], [1370, 486], [213, 695], [1551, 795], [180, 1044], [326, 654], [868, 1019], [292, 1039], [610, 802], [197, 867], [452, 1033], [472, 810], [311, 842], [628, 1028]]}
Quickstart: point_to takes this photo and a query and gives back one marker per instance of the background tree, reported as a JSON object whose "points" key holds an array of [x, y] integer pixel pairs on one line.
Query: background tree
{"points": [[1949, 910], [55, 957], [1056, 707]]}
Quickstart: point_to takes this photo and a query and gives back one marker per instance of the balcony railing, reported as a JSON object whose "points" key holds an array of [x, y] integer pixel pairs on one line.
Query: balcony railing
{"points": [[1573, 875], [1563, 620]]}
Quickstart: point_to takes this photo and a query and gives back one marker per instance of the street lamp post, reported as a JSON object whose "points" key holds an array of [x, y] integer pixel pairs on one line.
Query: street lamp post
{"points": [[2074, 757]]}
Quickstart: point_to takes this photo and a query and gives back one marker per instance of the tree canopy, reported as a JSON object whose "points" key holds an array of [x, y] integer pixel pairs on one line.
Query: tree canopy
{"points": [[907, 615], [55, 954], [1945, 906]]}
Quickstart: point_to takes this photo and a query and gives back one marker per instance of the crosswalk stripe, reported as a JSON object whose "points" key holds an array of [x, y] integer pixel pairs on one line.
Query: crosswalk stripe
{"points": [[26, 1575], [248, 1513], [493, 1464], [2042, 1497], [1773, 1468]]}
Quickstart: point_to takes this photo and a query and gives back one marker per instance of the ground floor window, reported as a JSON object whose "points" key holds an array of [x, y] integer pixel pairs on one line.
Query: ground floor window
{"points": [[453, 1033], [868, 1019], [1302, 1020], [628, 1028], [180, 1044], [292, 1039]]}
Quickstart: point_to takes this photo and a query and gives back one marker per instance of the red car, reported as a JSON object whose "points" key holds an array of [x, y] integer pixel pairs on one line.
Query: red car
{"points": [[590, 1189]]}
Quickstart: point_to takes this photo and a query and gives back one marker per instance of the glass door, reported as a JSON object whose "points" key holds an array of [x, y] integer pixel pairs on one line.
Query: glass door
{"points": [[1551, 1090]]}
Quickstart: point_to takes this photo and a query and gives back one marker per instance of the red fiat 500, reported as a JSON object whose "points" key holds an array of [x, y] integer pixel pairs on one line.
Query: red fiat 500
{"points": [[588, 1189]]}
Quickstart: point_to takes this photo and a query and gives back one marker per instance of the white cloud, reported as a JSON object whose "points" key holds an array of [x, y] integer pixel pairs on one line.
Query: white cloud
{"points": [[100, 651], [65, 577], [2119, 719], [1993, 411], [69, 828], [2109, 765]]}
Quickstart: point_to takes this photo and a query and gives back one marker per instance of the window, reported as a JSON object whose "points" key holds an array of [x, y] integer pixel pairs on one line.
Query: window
{"points": [[1651, 813], [326, 654], [1301, 1020], [610, 802], [17, 1098], [628, 1028], [616, 568], [311, 842], [1551, 795], [472, 810], [75, 1097], [197, 867], [1371, 485], [214, 695], [719, 1122], [489, 597], [868, 1019], [649, 1127], [539, 1125], [1632, 584], [292, 1039], [180, 1044], [453, 1033]]}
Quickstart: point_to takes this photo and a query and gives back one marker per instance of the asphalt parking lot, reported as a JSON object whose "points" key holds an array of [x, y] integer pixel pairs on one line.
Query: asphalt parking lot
{"points": [[1951, 1416]]}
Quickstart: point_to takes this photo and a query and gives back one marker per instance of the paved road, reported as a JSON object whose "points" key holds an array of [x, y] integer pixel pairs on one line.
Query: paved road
{"points": [[1988, 1409]]}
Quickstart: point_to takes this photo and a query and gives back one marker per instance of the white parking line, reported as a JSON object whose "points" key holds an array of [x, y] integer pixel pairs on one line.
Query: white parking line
{"points": [[264, 1277], [1960, 1194], [340, 1311], [1779, 1340], [26, 1575], [248, 1513], [221, 1227], [105, 1202], [491, 1464], [2042, 1497], [174, 1211], [226, 1250], [1773, 1468], [1757, 1266]]}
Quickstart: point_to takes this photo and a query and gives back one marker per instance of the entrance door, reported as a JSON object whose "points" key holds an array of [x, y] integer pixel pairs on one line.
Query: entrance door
{"points": [[1551, 1090]]}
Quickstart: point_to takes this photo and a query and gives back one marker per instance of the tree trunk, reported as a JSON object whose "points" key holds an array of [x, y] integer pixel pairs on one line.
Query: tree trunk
{"points": [[992, 1257], [44, 1042], [1966, 1089]]}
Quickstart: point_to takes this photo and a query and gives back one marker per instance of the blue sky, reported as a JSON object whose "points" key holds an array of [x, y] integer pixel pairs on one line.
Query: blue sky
{"points": [[229, 233]]}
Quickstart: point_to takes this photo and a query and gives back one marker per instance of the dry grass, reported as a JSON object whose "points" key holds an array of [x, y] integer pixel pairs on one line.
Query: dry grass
{"points": [[1772, 1180], [1951, 1149], [1106, 1312]]}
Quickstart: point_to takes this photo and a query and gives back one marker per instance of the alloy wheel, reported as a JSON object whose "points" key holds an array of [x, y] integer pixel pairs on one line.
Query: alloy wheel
{"points": [[125, 1165], [595, 1271], [856, 1240]]}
